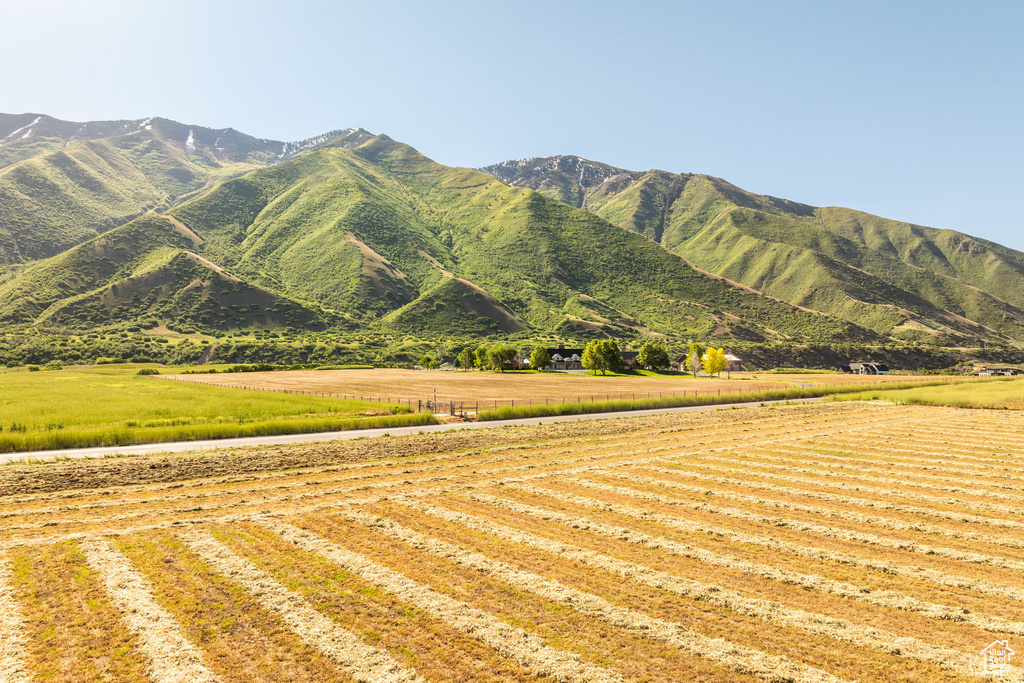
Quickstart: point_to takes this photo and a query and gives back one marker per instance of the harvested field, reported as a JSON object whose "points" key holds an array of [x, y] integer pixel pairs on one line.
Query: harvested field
{"points": [[831, 542], [490, 389]]}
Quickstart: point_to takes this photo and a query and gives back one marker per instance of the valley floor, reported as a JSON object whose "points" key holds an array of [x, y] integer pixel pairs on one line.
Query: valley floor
{"points": [[828, 542], [489, 389]]}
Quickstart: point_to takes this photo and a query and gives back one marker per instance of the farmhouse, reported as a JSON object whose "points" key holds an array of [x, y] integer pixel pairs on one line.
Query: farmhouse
{"points": [[629, 359], [732, 363], [999, 372], [565, 359], [869, 368]]}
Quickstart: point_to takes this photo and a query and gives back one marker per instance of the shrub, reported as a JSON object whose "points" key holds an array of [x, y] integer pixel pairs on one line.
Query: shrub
{"points": [[148, 371]]}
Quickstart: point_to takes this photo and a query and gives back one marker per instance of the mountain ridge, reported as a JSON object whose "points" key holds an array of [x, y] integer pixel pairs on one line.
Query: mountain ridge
{"points": [[121, 223], [897, 278]]}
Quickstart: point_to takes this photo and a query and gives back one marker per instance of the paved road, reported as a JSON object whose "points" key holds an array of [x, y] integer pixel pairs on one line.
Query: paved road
{"points": [[182, 446]]}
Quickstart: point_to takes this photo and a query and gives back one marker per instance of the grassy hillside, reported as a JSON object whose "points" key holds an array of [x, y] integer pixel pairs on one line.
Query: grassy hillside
{"points": [[901, 280], [146, 270], [64, 182], [379, 228]]}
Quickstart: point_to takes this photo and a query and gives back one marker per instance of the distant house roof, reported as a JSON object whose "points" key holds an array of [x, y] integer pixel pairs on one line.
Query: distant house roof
{"points": [[733, 358]]}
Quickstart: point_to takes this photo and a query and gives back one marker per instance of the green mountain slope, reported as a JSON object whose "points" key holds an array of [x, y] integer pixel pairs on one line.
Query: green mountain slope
{"points": [[145, 270], [64, 182], [901, 280], [381, 232]]}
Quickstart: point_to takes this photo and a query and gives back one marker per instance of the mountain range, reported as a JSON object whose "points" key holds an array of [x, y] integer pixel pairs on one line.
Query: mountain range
{"points": [[107, 224]]}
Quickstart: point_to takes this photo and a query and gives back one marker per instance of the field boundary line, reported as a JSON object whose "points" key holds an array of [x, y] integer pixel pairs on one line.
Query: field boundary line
{"points": [[886, 598], [170, 655], [13, 645], [527, 649], [718, 650], [359, 660], [933, 575], [766, 610]]}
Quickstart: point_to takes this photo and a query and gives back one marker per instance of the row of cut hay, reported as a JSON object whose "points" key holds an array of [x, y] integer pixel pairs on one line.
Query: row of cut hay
{"points": [[910, 446], [13, 650], [883, 598], [262, 512], [13, 442], [766, 610], [927, 452], [981, 439], [357, 485], [527, 649], [421, 472], [171, 657], [619, 405], [728, 654], [806, 528], [768, 541], [357, 659], [721, 431], [831, 478], [884, 522], [850, 462], [517, 455]]}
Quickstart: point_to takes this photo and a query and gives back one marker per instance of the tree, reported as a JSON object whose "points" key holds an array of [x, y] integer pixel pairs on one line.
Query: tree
{"points": [[714, 361], [500, 356], [426, 361], [652, 355], [694, 356], [466, 358], [539, 358], [480, 357], [602, 355]]}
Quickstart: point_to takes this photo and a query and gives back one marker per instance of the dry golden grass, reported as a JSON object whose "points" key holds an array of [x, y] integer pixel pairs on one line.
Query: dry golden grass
{"points": [[819, 543], [490, 387], [74, 633]]}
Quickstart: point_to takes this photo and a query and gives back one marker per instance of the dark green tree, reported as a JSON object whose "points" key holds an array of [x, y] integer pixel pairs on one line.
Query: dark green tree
{"points": [[602, 355], [539, 358], [652, 355], [480, 357]]}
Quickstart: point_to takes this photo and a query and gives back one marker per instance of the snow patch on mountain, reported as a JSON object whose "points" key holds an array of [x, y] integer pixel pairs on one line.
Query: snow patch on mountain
{"points": [[190, 144], [27, 129], [290, 148]]}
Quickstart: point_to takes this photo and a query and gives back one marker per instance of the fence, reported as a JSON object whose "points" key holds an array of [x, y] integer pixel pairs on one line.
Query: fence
{"points": [[463, 407]]}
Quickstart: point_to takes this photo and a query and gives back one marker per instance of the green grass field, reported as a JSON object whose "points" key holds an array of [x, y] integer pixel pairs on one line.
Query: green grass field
{"points": [[111, 405], [1005, 393]]}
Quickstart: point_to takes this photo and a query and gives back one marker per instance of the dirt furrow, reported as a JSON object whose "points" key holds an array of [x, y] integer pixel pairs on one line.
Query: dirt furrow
{"points": [[882, 598], [359, 660], [527, 649], [171, 657], [739, 658], [767, 610]]}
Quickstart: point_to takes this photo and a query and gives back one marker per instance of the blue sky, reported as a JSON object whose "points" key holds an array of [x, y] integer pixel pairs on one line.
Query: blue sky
{"points": [[910, 110]]}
